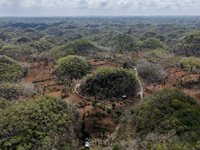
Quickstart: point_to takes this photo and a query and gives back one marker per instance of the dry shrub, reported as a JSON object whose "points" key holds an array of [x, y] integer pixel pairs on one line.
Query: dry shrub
{"points": [[151, 72]]}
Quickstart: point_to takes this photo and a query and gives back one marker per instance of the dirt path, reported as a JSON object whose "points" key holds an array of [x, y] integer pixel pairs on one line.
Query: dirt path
{"points": [[141, 93], [78, 85], [140, 83]]}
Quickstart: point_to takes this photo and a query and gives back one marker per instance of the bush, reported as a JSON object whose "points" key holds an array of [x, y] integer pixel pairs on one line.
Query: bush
{"points": [[45, 123], [4, 103], [13, 51], [116, 146], [71, 67], [109, 82], [41, 45], [10, 69], [65, 91], [12, 91], [150, 72]]}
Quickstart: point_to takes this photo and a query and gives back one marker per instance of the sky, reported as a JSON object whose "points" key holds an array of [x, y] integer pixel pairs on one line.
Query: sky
{"points": [[98, 7]]}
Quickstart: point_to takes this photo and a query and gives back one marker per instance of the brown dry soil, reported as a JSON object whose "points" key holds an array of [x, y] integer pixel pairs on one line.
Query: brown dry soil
{"points": [[177, 78]]}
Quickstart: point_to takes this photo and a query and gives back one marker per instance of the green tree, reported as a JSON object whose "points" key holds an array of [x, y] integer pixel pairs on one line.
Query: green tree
{"points": [[71, 67], [116, 146], [153, 43], [45, 123], [10, 69]]}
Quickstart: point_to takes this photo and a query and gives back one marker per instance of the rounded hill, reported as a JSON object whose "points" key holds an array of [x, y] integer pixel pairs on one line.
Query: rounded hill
{"points": [[77, 47], [168, 110], [71, 67], [108, 82], [191, 45]]}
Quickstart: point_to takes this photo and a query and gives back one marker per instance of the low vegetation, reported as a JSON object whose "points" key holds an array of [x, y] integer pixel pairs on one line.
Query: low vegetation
{"points": [[150, 72], [13, 91], [3, 103]]}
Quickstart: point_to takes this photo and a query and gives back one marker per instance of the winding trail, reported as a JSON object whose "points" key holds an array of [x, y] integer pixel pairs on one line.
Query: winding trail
{"points": [[140, 84], [78, 92], [141, 93]]}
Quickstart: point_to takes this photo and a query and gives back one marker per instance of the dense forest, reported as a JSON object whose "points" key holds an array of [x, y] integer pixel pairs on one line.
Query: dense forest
{"points": [[120, 82]]}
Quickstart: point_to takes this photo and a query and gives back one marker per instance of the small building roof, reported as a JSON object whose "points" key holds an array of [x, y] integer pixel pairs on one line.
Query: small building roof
{"points": [[86, 144], [124, 96]]}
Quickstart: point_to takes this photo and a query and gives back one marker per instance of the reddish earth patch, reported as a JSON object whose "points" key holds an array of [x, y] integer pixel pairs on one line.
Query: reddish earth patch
{"points": [[38, 71], [179, 74], [194, 94], [54, 94], [176, 77], [75, 97], [98, 64]]}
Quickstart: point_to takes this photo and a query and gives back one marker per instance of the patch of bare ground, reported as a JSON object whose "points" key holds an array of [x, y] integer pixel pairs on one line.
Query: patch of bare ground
{"points": [[54, 94], [177, 77], [39, 71], [75, 98], [98, 64]]}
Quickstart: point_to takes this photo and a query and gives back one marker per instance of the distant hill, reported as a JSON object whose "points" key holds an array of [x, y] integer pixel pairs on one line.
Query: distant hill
{"points": [[190, 45], [77, 47], [120, 42]]}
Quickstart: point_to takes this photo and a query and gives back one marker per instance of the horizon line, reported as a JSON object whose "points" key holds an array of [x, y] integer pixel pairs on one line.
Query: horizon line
{"points": [[102, 16]]}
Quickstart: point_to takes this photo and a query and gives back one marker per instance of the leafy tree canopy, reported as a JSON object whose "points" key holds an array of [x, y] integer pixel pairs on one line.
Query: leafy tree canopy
{"points": [[71, 66], [124, 42], [3, 103], [45, 123], [169, 110], [10, 69], [153, 43], [191, 45]]}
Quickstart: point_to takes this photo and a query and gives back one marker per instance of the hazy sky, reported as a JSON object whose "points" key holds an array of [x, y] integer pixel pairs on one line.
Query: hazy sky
{"points": [[98, 7]]}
